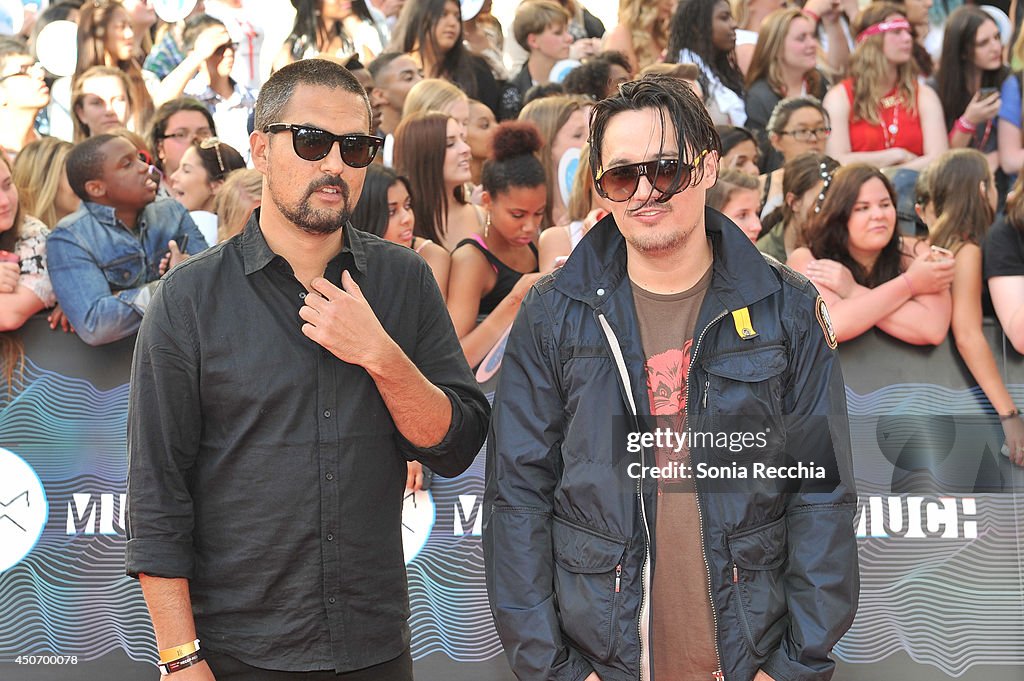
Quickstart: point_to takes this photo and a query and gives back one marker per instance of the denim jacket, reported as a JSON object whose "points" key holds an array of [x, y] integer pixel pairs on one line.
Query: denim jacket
{"points": [[104, 274]]}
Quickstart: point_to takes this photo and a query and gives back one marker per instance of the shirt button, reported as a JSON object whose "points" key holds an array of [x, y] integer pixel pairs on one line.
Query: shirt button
{"points": [[332, 600], [329, 476], [327, 413], [330, 537], [600, 291], [302, 296]]}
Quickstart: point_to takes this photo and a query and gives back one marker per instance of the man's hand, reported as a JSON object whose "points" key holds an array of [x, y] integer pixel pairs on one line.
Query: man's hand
{"points": [[341, 321], [593, 677], [761, 676], [58, 318], [173, 257], [414, 481], [10, 272]]}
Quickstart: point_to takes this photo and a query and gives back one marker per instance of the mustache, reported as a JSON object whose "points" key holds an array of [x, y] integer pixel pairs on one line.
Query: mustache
{"points": [[328, 181]]}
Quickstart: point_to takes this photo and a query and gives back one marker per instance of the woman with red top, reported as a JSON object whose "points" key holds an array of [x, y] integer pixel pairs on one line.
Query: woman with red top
{"points": [[882, 115]]}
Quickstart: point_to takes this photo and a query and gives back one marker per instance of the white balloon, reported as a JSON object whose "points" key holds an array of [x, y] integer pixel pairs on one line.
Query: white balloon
{"points": [[173, 11], [57, 47], [562, 68]]}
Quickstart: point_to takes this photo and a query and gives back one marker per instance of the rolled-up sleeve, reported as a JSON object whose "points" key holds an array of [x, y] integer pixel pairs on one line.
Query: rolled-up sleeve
{"points": [[439, 357], [163, 440]]}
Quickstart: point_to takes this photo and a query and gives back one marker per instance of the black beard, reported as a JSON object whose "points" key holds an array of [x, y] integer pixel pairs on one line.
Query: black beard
{"points": [[318, 221]]}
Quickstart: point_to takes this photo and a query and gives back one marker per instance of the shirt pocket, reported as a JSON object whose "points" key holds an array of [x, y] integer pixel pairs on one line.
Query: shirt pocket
{"points": [[124, 271], [588, 579], [743, 394], [758, 567]]}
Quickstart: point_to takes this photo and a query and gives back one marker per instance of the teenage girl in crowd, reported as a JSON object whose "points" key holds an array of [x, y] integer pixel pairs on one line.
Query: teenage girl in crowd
{"points": [[491, 272], [867, 273], [736, 195], [797, 125], [200, 178], [970, 74], [100, 102], [42, 181], [431, 151], [642, 31], [385, 208], [963, 193], [586, 209], [739, 149], [704, 33], [882, 114], [802, 193], [564, 125]]}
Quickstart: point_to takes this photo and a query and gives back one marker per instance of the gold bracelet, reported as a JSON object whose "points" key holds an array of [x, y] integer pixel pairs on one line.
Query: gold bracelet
{"points": [[177, 652]]}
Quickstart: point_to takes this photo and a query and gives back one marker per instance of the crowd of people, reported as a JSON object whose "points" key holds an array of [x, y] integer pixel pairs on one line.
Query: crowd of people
{"points": [[875, 148]]}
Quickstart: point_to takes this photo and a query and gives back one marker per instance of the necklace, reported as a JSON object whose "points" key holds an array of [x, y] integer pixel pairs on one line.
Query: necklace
{"points": [[892, 130]]}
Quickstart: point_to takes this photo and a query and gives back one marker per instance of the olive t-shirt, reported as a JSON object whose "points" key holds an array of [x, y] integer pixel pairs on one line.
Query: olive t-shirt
{"points": [[682, 630]]}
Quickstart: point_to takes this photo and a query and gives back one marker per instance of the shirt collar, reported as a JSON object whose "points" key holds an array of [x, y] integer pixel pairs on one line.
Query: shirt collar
{"points": [[256, 253], [103, 214]]}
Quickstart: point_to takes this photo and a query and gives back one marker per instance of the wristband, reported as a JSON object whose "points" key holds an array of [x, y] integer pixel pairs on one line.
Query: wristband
{"points": [[814, 16], [965, 125], [906, 280], [181, 663], [1014, 413], [178, 652]]}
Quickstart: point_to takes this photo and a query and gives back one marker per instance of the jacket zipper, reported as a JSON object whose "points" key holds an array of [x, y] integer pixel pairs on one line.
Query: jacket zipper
{"points": [[620, 363], [718, 675]]}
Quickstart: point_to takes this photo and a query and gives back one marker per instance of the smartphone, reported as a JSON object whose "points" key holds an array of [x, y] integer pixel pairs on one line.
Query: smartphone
{"points": [[943, 252], [986, 92], [182, 242]]}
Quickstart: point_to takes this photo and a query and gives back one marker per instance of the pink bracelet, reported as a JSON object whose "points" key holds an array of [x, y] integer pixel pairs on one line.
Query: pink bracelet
{"points": [[906, 280], [965, 125]]}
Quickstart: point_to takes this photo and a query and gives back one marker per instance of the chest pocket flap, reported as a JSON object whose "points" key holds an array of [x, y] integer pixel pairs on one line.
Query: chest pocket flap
{"points": [[750, 366]]}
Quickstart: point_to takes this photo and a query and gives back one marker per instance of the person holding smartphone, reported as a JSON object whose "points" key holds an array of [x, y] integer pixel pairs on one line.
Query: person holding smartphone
{"points": [[970, 72]]}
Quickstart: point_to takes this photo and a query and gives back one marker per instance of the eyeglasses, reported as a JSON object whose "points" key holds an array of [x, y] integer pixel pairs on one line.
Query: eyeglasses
{"points": [[186, 136], [808, 135], [214, 143], [35, 69], [666, 175], [313, 144]]}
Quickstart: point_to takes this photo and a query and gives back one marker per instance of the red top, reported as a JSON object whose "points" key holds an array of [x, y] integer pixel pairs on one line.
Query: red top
{"points": [[900, 127]]}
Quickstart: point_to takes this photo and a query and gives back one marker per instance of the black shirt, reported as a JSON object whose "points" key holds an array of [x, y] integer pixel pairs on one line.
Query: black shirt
{"points": [[1003, 251], [270, 473]]}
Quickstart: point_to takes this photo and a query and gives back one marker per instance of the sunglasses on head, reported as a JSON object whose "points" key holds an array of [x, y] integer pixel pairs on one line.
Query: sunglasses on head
{"points": [[667, 175], [313, 144]]}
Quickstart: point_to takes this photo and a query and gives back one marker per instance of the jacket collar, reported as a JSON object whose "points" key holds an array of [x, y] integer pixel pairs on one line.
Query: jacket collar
{"points": [[740, 274], [256, 253]]}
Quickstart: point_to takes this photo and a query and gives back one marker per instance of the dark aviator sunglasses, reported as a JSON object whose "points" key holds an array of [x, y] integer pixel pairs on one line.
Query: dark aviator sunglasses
{"points": [[666, 175], [313, 144]]}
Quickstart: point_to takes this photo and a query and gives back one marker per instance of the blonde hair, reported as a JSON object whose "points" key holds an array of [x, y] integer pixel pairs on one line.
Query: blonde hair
{"points": [[432, 94], [741, 13], [868, 67], [550, 114], [1017, 53], [229, 205], [37, 173], [78, 97], [582, 193], [534, 16], [766, 62], [648, 30]]}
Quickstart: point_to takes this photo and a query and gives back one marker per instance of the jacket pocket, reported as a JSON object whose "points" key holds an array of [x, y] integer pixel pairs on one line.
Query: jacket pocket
{"points": [[743, 394], [758, 561], [124, 271], [588, 586]]}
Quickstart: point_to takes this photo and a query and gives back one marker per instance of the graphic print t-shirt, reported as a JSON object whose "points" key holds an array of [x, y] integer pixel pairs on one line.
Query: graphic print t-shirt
{"points": [[682, 630]]}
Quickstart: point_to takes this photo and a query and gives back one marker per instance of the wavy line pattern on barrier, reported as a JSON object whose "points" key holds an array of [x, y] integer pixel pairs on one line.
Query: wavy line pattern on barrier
{"points": [[952, 604]]}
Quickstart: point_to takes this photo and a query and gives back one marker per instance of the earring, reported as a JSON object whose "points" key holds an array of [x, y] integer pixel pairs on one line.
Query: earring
{"points": [[487, 225]]}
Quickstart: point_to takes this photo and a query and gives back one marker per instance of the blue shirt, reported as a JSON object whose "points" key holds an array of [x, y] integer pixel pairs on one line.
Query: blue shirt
{"points": [[1009, 110], [104, 274]]}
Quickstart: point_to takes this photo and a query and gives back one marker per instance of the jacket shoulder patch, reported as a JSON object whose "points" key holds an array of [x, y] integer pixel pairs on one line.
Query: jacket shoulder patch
{"points": [[821, 312]]}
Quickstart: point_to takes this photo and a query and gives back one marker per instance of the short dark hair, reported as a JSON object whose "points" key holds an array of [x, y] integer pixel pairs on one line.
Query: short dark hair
{"points": [[11, 46], [158, 126], [195, 26], [85, 162], [371, 212], [380, 62], [279, 88], [678, 108], [542, 90]]}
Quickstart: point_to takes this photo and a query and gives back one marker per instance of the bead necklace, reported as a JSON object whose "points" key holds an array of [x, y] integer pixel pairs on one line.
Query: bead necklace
{"points": [[891, 131]]}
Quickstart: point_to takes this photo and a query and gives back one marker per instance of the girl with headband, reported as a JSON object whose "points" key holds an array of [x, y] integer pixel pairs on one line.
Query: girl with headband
{"points": [[882, 115]]}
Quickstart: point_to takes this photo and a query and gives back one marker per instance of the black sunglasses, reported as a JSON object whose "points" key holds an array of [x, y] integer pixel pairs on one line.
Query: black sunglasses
{"points": [[313, 144], [665, 175]]}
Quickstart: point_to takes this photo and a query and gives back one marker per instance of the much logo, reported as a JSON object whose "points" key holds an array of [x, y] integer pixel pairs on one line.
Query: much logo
{"points": [[23, 509]]}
